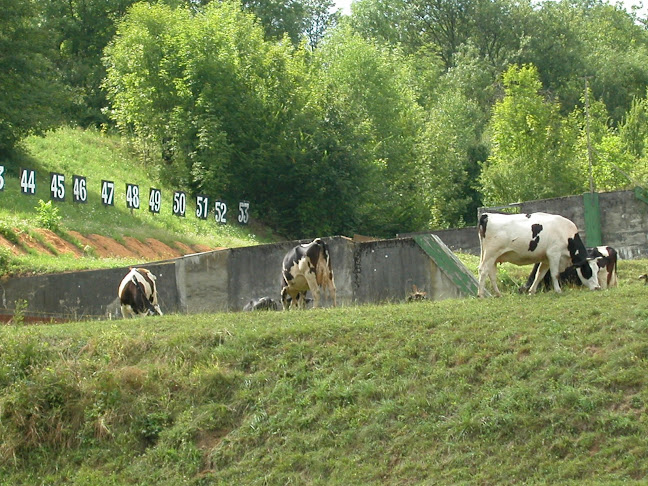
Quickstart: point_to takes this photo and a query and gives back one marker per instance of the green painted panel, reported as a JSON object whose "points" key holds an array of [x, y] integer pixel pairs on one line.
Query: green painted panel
{"points": [[641, 194], [592, 219], [449, 264]]}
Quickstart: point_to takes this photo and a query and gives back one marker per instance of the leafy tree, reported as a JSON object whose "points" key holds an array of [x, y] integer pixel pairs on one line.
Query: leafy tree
{"points": [[532, 153], [446, 167], [370, 88], [191, 84], [78, 31], [569, 40], [294, 18], [634, 129], [30, 95], [600, 146]]}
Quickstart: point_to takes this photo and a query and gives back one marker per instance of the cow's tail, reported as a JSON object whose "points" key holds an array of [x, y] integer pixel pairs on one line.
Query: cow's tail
{"points": [[481, 231]]}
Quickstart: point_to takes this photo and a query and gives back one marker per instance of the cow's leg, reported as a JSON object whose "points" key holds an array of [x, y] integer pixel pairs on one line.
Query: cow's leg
{"points": [[284, 299], [314, 288], [126, 311], [301, 300], [488, 268], [332, 291], [554, 268], [543, 268]]}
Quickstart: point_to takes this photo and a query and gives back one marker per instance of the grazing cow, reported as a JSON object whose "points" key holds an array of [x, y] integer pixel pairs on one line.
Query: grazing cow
{"points": [[306, 267], [264, 303], [523, 239], [606, 260], [138, 294]]}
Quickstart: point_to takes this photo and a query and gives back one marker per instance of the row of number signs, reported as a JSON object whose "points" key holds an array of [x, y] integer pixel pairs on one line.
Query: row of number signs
{"points": [[133, 196]]}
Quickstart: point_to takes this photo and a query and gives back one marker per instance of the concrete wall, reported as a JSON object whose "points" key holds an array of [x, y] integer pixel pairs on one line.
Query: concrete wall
{"points": [[226, 280], [373, 271], [624, 222]]}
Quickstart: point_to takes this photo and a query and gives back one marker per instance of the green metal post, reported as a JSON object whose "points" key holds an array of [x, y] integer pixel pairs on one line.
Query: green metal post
{"points": [[592, 219]]}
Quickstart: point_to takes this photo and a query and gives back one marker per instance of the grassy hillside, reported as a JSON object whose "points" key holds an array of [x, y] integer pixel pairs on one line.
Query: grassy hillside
{"points": [[538, 389], [97, 156]]}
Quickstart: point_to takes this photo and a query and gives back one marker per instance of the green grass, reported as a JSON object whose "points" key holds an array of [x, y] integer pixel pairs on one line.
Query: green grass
{"points": [[100, 156], [545, 389]]}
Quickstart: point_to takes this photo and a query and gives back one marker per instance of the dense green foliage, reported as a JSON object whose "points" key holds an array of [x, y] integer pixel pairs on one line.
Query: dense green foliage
{"points": [[541, 389], [403, 116]]}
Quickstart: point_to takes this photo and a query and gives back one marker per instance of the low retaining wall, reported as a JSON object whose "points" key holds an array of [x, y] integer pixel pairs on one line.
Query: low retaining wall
{"points": [[225, 280], [623, 221]]}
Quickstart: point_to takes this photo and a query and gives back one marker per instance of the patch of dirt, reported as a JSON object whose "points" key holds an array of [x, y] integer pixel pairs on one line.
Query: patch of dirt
{"points": [[5, 243], [102, 246], [29, 241], [61, 245]]}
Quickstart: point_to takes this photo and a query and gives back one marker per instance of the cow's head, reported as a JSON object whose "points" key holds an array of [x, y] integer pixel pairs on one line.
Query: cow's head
{"points": [[587, 272], [586, 268]]}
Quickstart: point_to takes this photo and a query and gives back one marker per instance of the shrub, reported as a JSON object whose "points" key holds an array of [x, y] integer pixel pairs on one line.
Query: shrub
{"points": [[47, 215]]}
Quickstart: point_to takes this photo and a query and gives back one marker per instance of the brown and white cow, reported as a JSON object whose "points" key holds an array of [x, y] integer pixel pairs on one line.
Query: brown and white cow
{"points": [[306, 267], [606, 260], [523, 239], [138, 294]]}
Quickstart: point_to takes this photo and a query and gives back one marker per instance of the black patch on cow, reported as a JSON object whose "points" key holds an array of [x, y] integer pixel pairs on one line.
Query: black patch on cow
{"points": [[135, 297], [483, 222], [314, 253], [527, 216], [578, 254], [535, 236]]}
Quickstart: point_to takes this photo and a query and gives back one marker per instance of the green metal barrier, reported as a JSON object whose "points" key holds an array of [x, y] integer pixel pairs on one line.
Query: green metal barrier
{"points": [[641, 194], [592, 219], [449, 264]]}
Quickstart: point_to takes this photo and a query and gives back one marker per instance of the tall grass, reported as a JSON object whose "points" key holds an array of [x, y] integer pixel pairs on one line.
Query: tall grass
{"points": [[545, 389]]}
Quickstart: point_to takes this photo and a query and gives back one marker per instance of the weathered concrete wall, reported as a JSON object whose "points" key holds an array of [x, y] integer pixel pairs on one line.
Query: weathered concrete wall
{"points": [[624, 222], [229, 279], [373, 271], [386, 270], [223, 280], [90, 294], [462, 240]]}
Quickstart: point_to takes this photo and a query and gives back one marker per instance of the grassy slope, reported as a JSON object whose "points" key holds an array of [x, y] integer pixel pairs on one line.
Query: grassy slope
{"points": [[543, 389], [100, 156]]}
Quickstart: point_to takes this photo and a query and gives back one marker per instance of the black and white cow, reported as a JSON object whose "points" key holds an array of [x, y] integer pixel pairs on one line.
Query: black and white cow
{"points": [[522, 239], [606, 259], [306, 267], [138, 294], [264, 303]]}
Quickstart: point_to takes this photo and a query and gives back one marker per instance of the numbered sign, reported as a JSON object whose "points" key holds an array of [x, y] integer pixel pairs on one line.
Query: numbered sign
{"points": [[202, 206], [57, 186], [180, 203], [132, 196], [79, 189], [244, 216], [28, 181], [2, 177], [155, 200], [108, 193], [220, 212]]}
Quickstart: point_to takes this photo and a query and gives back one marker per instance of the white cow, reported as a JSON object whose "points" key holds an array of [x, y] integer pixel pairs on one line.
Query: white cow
{"points": [[524, 239], [138, 294]]}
